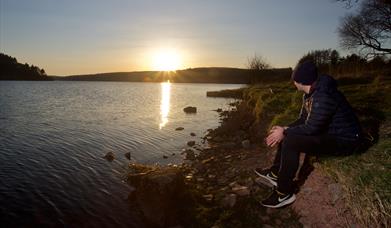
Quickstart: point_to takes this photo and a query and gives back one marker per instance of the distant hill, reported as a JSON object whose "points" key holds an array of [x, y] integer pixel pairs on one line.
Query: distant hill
{"points": [[192, 75], [10, 69]]}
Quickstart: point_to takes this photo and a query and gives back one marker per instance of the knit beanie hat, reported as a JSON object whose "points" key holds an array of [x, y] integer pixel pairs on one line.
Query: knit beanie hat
{"points": [[305, 73]]}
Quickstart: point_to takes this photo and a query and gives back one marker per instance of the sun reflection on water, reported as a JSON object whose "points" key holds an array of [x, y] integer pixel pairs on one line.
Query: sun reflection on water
{"points": [[164, 103]]}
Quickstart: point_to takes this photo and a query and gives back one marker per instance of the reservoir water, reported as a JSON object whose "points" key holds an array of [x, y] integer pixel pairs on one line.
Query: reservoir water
{"points": [[53, 136]]}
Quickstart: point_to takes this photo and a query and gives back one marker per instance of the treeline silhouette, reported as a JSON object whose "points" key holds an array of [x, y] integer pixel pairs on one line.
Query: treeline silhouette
{"points": [[192, 75], [10, 69], [330, 62]]}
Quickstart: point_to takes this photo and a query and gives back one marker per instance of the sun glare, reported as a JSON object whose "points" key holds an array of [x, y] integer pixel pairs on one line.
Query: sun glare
{"points": [[166, 60]]}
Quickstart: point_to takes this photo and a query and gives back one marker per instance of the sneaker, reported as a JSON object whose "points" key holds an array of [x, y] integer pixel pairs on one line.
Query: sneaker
{"points": [[268, 176], [278, 199]]}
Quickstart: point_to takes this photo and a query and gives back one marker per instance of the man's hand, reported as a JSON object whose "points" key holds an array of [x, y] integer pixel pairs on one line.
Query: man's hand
{"points": [[275, 136]]}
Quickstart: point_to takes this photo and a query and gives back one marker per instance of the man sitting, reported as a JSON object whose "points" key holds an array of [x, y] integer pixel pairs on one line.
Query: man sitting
{"points": [[326, 125]]}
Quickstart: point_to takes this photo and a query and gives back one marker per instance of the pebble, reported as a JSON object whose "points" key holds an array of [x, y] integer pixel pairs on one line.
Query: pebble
{"points": [[208, 197], [241, 190], [109, 156], [191, 143], [229, 201]]}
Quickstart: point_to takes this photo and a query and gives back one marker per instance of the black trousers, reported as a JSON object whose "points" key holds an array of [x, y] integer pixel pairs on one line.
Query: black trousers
{"points": [[286, 162]]}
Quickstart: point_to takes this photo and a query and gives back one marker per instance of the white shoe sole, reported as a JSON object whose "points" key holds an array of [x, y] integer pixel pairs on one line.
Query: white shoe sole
{"points": [[266, 180], [283, 203]]}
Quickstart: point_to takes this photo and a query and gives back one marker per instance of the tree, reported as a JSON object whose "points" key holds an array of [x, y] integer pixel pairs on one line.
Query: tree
{"points": [[257, 63], [369, 30]]}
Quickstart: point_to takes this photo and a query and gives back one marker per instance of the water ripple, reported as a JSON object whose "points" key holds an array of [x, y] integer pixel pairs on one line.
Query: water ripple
{"points": [[53, 136]]}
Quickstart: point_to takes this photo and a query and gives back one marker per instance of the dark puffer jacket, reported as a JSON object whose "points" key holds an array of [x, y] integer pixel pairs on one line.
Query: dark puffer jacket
{"points": [[326, 111]]}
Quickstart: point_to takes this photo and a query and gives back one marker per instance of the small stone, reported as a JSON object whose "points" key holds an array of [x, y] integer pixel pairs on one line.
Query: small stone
{"points": [[241, 190], [207, 160], [261, 181], [127, 155], [210, 176], [219, 110], [190, 155], [229, 201], [335, 191], [165, 157], [306, 190], [190, 109], [200, 179], [191, 143], [109, 156], [173, 154], [208, 197], [233, 184], [192, 134], [179, 129]]}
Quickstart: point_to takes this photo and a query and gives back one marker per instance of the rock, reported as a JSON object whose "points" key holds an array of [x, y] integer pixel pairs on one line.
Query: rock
{"points": [[173, 154], [241, 190], [229, 201], [109, 156], [208, 160], [246, 144], [208, 197], [219, 110], [190, 109], [165, 156], [306, 190], [200, 179], [191, 143], [160, 195], [261, 181], [335, 191], [233, 184], [179, 129], [127, 155], [190, 155], [192, 134]]}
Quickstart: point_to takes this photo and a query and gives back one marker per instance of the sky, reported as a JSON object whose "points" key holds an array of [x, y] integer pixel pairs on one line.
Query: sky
{"points": [[94, 36]]}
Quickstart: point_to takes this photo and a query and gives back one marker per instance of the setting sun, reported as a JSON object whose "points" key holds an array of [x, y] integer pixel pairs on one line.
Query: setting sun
{"points": [[166, 60]]}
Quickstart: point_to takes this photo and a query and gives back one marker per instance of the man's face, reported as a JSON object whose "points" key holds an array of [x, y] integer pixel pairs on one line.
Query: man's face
{"points": [[298, 86]]}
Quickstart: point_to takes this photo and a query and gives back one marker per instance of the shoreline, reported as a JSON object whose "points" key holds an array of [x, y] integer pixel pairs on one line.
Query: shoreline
{"points": [[218, 188]]}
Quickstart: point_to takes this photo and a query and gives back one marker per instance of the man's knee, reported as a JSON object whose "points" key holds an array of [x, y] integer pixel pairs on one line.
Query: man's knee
{"points": [[289, 141]]}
